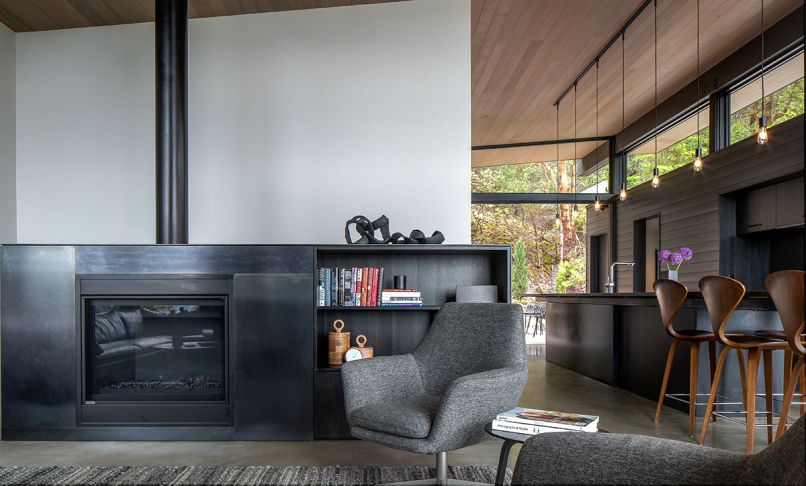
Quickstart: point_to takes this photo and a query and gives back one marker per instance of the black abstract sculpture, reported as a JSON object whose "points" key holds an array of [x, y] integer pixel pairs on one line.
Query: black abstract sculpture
{"points": [[366, 230]]}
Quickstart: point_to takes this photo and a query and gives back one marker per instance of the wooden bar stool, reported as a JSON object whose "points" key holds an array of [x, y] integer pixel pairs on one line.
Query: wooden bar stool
{"points": [[722, 295], [671, 296], [787, 291]]}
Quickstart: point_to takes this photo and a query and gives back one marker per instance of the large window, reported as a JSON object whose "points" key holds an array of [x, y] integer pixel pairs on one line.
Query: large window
{"points": [[548, 256], [676, 148], [540, 177], [784, 100]]}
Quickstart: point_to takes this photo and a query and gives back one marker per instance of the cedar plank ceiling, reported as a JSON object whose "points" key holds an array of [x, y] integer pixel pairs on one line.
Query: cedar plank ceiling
{"points": [[33, 15], [524, 53]]}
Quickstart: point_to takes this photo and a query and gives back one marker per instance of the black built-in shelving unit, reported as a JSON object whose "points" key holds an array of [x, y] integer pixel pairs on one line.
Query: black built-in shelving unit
{"points": [[434, 270]]}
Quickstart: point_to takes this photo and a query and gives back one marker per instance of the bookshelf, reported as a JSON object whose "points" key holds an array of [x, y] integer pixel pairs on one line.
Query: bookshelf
{"points": [[434, 270]]}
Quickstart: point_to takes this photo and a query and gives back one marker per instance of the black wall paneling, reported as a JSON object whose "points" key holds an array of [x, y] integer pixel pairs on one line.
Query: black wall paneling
{"points": [[692, 206]]}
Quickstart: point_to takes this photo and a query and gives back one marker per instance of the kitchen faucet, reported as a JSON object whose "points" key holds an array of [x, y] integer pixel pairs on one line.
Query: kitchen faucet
{"points": [[610, 286]]}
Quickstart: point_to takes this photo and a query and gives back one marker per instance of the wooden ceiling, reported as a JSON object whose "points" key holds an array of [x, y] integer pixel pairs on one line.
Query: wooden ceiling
{"points": [[33, 15], [526, 52]]}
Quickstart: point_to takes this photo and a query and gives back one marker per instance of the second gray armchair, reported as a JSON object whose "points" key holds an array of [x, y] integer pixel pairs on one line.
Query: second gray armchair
{"points": [[470, 366]]}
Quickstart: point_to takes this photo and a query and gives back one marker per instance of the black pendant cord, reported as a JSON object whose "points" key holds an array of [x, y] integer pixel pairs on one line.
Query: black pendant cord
{"points": [[656, 89], [597, 130], [697, 100], [557, 146], [762, 58]]}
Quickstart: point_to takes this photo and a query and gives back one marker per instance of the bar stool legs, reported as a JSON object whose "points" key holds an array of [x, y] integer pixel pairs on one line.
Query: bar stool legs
{"points": [[714, 385], [767, 356], [796, 374], [694, 361], [750, 393], [665, 382]]}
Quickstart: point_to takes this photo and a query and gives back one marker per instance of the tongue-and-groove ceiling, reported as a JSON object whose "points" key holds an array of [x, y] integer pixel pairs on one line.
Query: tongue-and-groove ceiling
{"points": [[524, 53]]}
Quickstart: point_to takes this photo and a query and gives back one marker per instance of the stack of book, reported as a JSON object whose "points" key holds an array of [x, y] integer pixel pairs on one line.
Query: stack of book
{"points": [[401, 298], [350, 287], [532, 422]]}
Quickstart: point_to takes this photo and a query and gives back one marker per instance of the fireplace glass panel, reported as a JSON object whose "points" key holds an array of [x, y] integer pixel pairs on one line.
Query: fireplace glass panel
{"points": [[157, 349]]}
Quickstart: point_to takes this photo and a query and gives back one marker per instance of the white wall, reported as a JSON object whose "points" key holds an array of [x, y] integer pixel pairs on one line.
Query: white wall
{"points": [[301, 120], [85, 135], [8, 193], [297, 122]]}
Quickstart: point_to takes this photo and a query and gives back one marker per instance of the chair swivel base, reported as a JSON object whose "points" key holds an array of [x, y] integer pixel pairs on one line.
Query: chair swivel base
{"points": [[442, 475]]}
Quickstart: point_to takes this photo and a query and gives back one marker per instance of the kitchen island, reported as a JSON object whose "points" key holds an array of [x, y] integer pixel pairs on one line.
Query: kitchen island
{"points": [[619, 339]]}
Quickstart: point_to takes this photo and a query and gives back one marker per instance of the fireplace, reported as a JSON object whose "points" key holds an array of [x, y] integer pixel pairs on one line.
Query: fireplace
{"points": [[155, 351]]}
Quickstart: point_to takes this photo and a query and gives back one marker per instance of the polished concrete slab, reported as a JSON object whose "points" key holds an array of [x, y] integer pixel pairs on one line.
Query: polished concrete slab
{"points": [[549, 387]]}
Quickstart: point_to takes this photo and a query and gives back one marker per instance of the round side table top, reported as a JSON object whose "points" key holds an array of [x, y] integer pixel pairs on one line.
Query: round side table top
{"points": [[502, 434]]}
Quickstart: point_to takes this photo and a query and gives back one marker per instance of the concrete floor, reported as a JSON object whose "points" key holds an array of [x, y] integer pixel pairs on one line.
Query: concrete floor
{"points": [[549, 387]]}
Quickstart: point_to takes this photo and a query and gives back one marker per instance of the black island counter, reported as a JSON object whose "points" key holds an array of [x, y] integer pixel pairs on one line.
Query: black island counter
{"points": [[619, 339]]}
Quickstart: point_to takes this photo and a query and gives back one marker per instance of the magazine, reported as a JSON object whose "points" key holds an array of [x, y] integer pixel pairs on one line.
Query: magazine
{"points": [[519, 428], [546, 418]]}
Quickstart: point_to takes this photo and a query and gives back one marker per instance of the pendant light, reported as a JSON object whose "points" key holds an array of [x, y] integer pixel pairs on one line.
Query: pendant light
{"points": [[622, 194], [762, 120], [655, 173], [698, 152], [558, 215], [597, 204]]}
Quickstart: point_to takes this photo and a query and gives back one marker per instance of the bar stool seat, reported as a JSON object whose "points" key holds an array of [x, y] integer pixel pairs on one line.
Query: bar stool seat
{"points": [[776, 333], [698, 334]]}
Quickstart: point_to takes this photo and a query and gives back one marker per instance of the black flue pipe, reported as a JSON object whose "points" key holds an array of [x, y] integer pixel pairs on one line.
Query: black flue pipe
{"points": [[172, 114]]}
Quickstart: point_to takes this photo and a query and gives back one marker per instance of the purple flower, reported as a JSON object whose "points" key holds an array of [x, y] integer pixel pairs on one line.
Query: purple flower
{"points": [[676, 258], [664, 255], [687, 253]]}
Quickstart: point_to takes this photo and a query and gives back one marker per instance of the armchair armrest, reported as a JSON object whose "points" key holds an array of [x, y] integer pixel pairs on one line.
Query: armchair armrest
{"points": [[368, 381], [581, 457], [473, 400]]}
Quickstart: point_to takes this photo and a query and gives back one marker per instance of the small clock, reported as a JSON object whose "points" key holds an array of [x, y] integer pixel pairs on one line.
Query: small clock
{"points": [[353, 354]]}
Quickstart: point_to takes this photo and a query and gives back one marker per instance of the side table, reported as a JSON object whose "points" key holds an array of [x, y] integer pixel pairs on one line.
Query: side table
{"points": [[510, 438]]}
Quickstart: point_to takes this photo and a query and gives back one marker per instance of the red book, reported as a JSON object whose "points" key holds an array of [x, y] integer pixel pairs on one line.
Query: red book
{"points": [[374, 295]]}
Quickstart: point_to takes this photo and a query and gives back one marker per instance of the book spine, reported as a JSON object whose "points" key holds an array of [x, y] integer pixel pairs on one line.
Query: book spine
{"points": [[375, 287], [520, 421], [342, 278], [522, 428], [333, 284], [358, 302], [327, 287], [321, 294], [348, 288], [364, 281], [379, 286]]}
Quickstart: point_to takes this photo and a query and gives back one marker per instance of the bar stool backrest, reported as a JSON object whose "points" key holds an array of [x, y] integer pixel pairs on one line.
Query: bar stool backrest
{"points": [[722, 295], [786, 289], [670, 296]]}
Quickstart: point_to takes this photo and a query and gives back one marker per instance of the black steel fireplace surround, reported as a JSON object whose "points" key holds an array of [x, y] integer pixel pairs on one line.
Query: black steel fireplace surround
{"points": [[155, 350], [187, 342]]}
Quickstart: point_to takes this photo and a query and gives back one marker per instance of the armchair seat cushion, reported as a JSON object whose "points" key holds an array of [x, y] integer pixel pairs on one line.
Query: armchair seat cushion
{"points": [[410, 417]]}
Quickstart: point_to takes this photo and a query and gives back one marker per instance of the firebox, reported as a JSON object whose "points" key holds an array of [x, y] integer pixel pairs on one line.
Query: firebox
{"points": [[155, 351]]}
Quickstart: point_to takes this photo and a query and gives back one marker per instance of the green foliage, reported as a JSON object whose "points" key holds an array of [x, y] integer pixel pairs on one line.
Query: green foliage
{"points": [[520, 274], [571, 275], [780, 106], [640, 166]]}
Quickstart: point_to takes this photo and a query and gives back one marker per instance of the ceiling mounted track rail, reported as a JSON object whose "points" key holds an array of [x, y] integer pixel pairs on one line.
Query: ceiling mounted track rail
{"points": [[601, 53]]}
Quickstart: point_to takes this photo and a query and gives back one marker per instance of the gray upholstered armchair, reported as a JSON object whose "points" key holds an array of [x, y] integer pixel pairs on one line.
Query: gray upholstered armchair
{"points": [[470, 366], [579, 458]]}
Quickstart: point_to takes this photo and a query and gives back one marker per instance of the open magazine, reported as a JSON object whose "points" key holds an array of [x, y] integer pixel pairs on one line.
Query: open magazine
{"points": [[546, 418]]}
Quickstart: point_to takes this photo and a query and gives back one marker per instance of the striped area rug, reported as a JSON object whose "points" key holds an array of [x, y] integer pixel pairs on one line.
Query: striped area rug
{"points": [[233, 475]]}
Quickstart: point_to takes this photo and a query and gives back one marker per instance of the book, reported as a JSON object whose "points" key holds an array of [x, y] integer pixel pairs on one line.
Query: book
{"points": [[374, 293], [347, 297], [401, 304], [333, 284], [379, 286], [546, 418], [321, 287], [364, 281], [359, 282], [327, 287], [520, 428], [340, 288]]}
